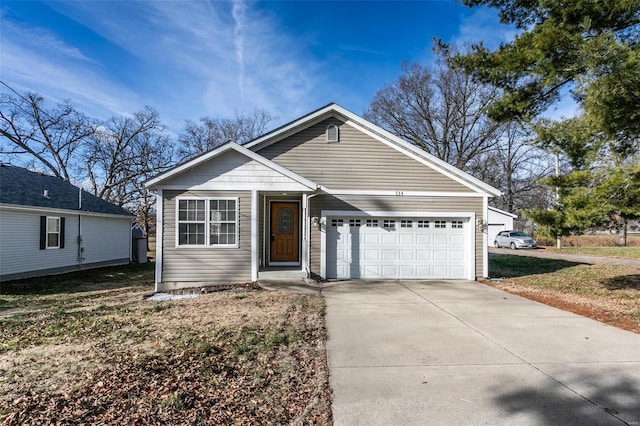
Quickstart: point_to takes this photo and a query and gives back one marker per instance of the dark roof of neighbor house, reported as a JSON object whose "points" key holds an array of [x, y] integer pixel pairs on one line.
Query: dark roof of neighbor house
{"points": [[19, 186]]}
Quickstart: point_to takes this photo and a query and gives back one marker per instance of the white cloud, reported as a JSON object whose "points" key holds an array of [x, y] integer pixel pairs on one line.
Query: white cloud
{"points": [[206, 58], [484, 25], [35, 60], [239, 9]]}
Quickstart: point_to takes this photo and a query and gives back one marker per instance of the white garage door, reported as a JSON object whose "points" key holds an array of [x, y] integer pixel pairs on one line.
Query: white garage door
{"points": [[397, 248]]}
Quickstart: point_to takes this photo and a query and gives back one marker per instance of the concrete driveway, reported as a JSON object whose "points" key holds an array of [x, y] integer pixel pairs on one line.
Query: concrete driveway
{"points": [[460, 353]]}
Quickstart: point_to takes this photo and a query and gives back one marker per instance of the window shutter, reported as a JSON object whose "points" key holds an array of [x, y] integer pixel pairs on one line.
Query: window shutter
{"points": [[43, 232], [62, 232]]}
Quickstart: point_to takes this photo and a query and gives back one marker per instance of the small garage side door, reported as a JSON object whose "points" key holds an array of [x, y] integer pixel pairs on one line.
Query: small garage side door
{"points": [[397, 248]]}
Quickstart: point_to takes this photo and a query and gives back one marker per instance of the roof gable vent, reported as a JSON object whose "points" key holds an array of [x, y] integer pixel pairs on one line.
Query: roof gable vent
{"points": [[333, 135]]}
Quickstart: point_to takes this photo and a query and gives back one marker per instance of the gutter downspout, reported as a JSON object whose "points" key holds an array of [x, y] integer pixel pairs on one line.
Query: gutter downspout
{"points": [[307, 228]]}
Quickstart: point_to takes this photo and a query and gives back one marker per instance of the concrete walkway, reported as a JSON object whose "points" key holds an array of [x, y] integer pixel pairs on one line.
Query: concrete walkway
{"points": [[462, 353], [578, 258]]}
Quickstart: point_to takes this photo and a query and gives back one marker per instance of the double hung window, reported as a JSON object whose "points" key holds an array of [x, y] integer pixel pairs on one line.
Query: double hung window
{"points": [[208, 222]]}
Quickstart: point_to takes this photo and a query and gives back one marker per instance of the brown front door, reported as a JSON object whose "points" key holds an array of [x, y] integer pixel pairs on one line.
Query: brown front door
{"points": [[284, 232]]}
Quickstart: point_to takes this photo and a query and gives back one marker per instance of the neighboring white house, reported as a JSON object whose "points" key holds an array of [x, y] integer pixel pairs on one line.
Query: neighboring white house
{"points": [[498, 220], [49, 226]]}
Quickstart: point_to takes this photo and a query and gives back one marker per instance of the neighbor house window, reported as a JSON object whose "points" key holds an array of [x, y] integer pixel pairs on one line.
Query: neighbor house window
{"points": [[333, 134], [218, 216], [51, 232]]}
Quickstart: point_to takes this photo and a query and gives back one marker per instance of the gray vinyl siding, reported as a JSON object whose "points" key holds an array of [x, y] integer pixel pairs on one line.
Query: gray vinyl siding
{"points": [[206, 265], [358, 161], [105, 239], [395, 204], [20, 254]]}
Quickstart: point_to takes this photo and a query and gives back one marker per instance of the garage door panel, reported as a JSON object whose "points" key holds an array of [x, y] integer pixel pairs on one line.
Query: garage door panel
{"points": [[371, 238], [422, 240], [389, 255], [407, 271], [456, 240], [457, 271], [390, 271], [407, 248], [441, 270], [406, 255], [371, 254], [440, 255], [456, 255], [424, 271], [389, 238], [406, 239], [423, 255], [440, 240]]}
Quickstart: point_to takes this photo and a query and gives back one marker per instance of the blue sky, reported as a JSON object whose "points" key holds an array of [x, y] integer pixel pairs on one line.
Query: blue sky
{"points": [[190, 59]]}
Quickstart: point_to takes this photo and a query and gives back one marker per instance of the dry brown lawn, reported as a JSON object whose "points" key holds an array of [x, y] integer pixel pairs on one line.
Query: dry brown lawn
{"points": [[607, 293], [237, 357]]}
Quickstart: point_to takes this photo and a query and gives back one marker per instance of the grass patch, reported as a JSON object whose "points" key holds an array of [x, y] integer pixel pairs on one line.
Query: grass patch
{"points": [[614, 252], [75, 290], [118, 359], [608, 293], [87, 280]]}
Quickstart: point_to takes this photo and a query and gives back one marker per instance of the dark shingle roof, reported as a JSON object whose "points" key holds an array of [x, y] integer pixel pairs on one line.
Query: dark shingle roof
{"points": [[22, 187]]}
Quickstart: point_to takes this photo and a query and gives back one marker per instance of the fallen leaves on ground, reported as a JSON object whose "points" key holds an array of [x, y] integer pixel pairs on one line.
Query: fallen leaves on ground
{"points": [[254, 358]]}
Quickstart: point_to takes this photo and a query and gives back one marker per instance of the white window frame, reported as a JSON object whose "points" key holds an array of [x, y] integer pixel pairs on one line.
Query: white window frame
{"points": [[207, 223], [328, 130], [57, 218]]}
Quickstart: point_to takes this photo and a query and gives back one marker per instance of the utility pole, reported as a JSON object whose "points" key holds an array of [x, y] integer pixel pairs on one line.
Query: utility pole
{"points": [[558, 239]]}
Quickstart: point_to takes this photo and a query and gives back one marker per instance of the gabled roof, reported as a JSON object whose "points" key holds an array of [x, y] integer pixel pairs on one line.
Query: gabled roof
{"points": [[181, 168], [503, 212], [335, 110], [21, 187]]}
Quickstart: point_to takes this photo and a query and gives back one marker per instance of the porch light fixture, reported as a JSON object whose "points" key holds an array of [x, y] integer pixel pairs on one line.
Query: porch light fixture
{"points": [[315, 220], [482, 224]]}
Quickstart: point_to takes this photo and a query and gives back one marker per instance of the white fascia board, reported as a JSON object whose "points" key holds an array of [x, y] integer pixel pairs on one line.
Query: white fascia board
{"points": [[156, 182], [503, 212], [230, 186], [400, 194], [36, 209]]}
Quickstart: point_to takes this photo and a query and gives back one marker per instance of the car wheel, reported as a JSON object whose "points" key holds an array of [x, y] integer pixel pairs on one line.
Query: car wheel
{"points": [[513, 246], [496, 245]]}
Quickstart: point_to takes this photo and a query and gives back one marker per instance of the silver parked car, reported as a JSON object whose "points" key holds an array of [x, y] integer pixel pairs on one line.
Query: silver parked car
{"points": [[514, 240]]}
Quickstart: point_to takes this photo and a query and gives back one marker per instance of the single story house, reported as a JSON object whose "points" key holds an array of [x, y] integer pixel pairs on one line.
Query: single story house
{"points": [[498, 220], [49, 226], [330, 196]]}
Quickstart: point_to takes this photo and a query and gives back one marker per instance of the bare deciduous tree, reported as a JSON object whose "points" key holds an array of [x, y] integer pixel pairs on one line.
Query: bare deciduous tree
{"points": [[213, 132], [41, 137], [126, 151], [439, 109], [516, 167]]}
